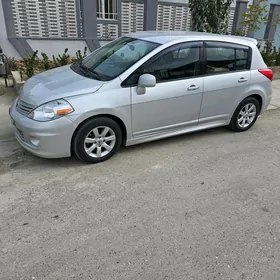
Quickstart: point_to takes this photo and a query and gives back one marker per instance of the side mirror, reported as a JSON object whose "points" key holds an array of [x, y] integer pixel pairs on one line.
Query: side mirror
{"points": [[145, 80]]}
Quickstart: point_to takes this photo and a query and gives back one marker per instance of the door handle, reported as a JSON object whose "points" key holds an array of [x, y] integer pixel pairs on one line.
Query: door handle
{"points": [[242, 80], [193, 87]]}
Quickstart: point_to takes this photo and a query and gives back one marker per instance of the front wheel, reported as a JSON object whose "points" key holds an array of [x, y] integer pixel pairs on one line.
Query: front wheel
{"points": [[245, 115], [97, 140]]}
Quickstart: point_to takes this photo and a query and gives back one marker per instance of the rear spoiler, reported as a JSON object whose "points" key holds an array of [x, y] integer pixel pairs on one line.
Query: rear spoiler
{"points": [[255, 41]]}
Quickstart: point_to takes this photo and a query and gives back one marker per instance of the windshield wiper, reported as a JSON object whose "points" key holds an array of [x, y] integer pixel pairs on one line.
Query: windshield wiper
{"points": [[89, 72]]}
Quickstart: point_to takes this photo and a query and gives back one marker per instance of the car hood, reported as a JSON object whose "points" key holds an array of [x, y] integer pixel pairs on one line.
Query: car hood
{"points": [[57, 83]]}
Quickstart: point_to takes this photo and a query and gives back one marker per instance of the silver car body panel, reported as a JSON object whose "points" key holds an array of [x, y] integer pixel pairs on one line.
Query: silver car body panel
{"points": [[45, 139], [166, 110], [57, 83]]}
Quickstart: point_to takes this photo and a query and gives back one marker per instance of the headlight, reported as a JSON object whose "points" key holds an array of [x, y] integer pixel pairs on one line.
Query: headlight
{"points": [[51, 111]]}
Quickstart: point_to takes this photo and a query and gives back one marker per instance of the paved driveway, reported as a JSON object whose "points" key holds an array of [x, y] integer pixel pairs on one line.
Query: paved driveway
{"points": [[199, 206]]}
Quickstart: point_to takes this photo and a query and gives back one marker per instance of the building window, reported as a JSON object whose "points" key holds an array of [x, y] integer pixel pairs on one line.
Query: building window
{"points": [[107, 9]]}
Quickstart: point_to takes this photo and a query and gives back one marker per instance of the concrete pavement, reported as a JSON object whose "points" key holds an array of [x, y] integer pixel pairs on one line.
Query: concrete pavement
{"points": [[200, 206], [275, 102]]}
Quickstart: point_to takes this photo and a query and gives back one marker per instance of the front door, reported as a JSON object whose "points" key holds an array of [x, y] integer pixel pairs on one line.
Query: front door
{"points": [[174, 103], [227, 79]]}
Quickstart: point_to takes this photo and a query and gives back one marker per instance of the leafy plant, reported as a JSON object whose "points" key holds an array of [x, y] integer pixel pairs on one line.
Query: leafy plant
{"points": [[85, 52], [79, 55], [45, 63], [13, 64], [256, 15], [277, 57], [54, 61], [271, 54], [63, 59], [30, 64], [210, 15]]}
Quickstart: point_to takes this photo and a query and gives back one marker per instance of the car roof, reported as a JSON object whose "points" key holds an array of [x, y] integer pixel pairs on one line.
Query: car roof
{"points": [[163, 37]]}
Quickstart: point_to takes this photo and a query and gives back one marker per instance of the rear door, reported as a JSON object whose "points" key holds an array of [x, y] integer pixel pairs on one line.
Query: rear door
{"points": [[227, 78]]}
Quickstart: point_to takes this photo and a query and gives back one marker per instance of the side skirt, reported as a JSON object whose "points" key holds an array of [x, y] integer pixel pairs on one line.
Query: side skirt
{"points": [[171, 133]]}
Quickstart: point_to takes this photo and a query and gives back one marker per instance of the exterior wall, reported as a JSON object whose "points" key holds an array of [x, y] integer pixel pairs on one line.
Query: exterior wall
{"points": [[45, 18], [110, 30], [55, 47], [75, 22], [259, 34], [277, 37], [8, 48], [132, 16], [173, 17]]}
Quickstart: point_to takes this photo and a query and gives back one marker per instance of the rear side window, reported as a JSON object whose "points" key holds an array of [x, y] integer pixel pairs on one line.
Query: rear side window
{"points": [[226, 57], [242, 59]]}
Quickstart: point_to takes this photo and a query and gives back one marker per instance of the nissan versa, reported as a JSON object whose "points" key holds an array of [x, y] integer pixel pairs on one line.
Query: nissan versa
{"points": [[142, 87]]}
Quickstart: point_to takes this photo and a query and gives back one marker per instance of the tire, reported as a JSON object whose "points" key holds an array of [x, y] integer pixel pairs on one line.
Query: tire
{"points": [[245, 109], [97, 140]]}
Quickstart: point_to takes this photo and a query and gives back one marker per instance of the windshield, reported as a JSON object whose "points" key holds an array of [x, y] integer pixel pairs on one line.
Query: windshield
{"points": [[109, 61]]}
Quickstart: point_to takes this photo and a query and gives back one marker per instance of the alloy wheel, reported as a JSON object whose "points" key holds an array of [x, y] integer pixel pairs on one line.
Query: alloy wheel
{"points": [[247, 115], [100, 142]]}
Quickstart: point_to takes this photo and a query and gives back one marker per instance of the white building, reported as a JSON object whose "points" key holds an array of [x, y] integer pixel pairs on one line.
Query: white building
{"points": [[34, 20]]}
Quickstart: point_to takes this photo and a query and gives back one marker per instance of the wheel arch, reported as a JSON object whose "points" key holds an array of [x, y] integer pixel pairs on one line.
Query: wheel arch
{"points": [[118, 120], [258, 97]]}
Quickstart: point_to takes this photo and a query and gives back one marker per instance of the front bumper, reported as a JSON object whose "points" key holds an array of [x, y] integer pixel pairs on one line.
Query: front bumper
{"points": [[44, 139]]}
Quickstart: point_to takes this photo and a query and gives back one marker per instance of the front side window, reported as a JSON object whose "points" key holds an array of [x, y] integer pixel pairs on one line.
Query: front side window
{"points": [[181, 61], [109, 61], [224, 57]]}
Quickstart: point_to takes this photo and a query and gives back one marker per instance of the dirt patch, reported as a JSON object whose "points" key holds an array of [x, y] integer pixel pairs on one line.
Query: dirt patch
{"points": [[16, 159]]}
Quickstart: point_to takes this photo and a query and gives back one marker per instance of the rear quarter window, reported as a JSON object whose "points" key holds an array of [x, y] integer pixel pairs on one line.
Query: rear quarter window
{"points": [[226, 57]]}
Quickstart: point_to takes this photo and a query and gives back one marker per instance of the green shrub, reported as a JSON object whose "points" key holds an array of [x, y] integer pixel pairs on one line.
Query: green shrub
{"points": [[80, 56], [30, 64], [45, 62], [63, 59], [270, 54]]}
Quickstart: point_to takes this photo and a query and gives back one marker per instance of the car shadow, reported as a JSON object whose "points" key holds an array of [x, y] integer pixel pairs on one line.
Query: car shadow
{"points": [[24, 159]]}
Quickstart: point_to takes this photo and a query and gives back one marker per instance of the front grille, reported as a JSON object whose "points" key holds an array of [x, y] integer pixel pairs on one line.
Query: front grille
{"points": [[24, 108]]}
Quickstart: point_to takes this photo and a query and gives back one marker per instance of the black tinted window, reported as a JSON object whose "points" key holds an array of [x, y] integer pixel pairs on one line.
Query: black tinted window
{"points": [[177, 62], [242, 56], [222, 58]]}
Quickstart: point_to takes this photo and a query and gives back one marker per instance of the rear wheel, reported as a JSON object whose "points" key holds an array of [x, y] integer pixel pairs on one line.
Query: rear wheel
{"points": [[245, 115], [97, 140]]}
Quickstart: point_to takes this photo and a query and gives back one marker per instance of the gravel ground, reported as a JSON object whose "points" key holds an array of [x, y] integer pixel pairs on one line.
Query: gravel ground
{"points": [[200, 206]]}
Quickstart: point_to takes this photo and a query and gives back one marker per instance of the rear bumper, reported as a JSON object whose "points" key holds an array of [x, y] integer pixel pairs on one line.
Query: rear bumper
{"points": [[266, 103], [44, 139]]}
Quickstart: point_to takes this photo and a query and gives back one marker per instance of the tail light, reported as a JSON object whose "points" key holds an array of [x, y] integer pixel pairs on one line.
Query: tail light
{"points": [[267, 72]]}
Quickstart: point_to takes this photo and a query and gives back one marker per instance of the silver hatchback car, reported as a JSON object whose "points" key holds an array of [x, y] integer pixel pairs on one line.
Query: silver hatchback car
{"points": [[139, 88]]}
